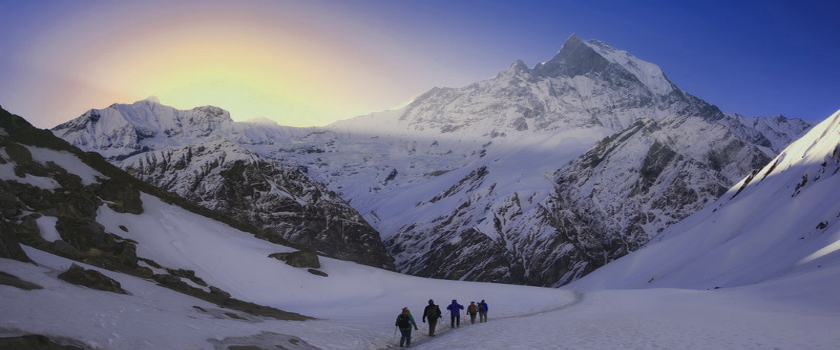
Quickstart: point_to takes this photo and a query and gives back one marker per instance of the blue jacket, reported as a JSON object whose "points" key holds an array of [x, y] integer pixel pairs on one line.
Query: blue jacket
{"points": [[454, 307], [485, 307]]}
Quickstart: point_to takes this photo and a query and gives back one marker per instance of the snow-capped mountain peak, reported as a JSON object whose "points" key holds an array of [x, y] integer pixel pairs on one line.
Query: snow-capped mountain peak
{"points": [[119, 129], [648, 73], [578, 57], [518, 66], [153, 99], [262, 121], [574, 58]]}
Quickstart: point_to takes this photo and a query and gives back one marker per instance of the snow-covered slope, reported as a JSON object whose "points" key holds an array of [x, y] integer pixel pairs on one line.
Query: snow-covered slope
{"points": [[778, 223], [200, 154], [775, 133], [355, 305], [464, 183], [50, 204]]}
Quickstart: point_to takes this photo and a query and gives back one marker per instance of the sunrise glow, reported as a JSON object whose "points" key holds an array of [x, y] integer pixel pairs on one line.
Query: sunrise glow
{"points": [[265, 63], [310, 63]]}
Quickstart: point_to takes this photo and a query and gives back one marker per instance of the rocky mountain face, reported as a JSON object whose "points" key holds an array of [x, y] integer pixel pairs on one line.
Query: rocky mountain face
{"points": [[51, 194], [192, 153], [265, 193], [632, 185], [779, 222], [536, 176], [556, 170]]}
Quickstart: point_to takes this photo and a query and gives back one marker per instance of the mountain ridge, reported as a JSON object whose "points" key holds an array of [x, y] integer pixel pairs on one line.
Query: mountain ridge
{"points": [[787, 225], [460, 172]]}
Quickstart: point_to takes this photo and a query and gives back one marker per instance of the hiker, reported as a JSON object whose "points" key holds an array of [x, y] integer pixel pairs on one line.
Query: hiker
{"points": [[482, 311], [404, 323], [432, 312], [472, 310], [455, 313]]}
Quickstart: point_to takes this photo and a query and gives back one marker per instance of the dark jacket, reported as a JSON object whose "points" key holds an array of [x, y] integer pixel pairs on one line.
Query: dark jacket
{"points": [[432, 312]]}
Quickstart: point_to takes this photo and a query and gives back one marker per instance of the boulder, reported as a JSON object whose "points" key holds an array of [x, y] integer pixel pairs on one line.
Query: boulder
{"points": [[92, 279], [121, 198], [298, 259], [318, 272], [9, 246]]}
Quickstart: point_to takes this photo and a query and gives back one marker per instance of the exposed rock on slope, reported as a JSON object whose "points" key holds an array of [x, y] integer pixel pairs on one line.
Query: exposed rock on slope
{"points": [[779, 222], [663, 155], [191, 153], [52, 194], [228, 179]]}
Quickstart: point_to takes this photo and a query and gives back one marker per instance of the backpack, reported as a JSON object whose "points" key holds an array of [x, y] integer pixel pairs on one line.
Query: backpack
{"points": [[403, 321], [481, 307]]}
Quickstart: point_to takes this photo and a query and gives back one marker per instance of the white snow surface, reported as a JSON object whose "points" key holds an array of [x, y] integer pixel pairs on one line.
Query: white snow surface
{"points": [[648, 73], [781, 223], [779, 276]]}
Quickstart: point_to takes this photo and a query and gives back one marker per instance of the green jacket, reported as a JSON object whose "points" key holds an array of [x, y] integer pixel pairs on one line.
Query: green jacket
{"points": [[410, 320]]}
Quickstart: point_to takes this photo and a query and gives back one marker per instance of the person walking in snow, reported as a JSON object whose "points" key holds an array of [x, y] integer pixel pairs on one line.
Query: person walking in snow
{"points": [[404, 323], [482, 311], [432, 312], [472, 310], [455, 313]]}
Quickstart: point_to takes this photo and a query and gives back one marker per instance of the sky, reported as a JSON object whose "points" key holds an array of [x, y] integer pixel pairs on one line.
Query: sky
{"points": [[309, 63]]}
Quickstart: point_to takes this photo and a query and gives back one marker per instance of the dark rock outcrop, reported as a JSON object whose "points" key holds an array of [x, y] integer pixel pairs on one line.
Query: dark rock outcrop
{"points": [[318, 272], [92, 279], [34, 342], [298, 259], [9, 245], [14, 281]]}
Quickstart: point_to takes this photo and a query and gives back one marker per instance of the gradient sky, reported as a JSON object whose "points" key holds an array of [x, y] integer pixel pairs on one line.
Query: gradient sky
{"points": [[305, 63]]}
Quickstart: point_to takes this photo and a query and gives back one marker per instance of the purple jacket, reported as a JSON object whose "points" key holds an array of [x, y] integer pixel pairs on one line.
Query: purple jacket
{"points": [[454, 307]]}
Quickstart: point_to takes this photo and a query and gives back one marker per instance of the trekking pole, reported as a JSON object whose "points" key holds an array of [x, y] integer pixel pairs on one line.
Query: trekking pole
{"points": [[395, 333], [450, 322]]}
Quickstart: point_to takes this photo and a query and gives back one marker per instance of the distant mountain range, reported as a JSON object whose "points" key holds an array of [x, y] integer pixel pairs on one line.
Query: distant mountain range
{"points": [[536, 176]]}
